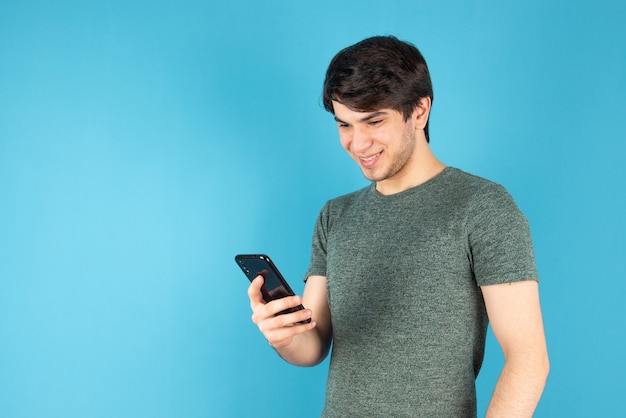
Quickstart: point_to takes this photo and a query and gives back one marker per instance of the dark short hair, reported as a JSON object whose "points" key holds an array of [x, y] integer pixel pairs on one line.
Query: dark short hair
{"points": [[381, 72]]}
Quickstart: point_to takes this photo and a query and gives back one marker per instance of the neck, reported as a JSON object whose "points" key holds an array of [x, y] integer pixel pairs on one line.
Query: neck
{"points": [[422, 167]]}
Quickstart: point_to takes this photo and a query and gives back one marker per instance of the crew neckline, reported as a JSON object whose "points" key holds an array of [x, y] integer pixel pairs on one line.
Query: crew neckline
{"points": [[422, 186]]}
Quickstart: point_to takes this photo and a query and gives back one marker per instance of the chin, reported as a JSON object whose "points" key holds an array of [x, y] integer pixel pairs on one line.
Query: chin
{"points": [[372, 176]]}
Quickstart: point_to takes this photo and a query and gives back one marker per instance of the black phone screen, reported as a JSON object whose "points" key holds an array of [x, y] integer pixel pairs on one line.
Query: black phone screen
{"points": [[275, 285]]}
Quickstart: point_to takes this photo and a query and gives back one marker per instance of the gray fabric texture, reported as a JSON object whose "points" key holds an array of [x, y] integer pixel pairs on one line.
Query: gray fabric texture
{"points": [[403, 277]]}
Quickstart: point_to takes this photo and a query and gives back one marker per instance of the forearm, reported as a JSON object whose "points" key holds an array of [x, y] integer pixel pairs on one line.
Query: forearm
{"points": [[519, 389], [306, 349], [302, 336]]}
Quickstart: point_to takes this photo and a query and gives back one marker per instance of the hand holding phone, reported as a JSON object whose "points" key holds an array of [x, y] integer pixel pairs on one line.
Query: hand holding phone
{"points": [[275, 286]]}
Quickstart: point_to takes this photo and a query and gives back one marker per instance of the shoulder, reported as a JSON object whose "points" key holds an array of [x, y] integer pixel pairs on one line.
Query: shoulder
{"points": [[460, 192], [336, 208], [341, 203], [460, 181], [482, 202]]}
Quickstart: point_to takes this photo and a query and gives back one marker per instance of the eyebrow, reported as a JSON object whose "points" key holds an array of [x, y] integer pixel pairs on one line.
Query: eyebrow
{"points": [[365, 118]]}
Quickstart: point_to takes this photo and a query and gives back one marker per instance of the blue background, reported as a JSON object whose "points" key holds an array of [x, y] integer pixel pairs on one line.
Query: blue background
{"points": [[144, 143]]}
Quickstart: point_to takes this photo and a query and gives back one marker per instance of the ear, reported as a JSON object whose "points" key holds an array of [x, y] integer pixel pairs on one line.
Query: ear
{"points": [[421, 113]]}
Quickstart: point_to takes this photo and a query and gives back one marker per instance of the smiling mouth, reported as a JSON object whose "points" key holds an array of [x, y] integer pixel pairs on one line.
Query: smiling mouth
{"points": [[368, 162]]}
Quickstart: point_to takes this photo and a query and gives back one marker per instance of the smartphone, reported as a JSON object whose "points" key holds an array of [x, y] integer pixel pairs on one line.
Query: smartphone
{"points": [[275, 285]]}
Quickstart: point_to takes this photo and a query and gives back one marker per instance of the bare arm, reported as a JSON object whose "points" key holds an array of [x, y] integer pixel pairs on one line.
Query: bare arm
{"points": [[300, 344], [515, 317]]}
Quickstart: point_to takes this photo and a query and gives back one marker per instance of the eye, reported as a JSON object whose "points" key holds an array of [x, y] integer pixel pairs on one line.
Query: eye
{"points": [[375, 122]]}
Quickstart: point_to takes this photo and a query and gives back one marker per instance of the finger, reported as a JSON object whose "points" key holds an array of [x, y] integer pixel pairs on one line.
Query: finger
{"points": [[278, 305], [254, 291], [286, 320], [272, 311], [294, 318], [281, 337]]}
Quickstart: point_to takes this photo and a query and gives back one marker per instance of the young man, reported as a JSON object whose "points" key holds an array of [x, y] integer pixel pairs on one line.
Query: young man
{"points": [[405, 273]]}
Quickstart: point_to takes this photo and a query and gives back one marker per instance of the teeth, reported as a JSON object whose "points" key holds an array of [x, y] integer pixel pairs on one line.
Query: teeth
{"points": [[369, 158]]}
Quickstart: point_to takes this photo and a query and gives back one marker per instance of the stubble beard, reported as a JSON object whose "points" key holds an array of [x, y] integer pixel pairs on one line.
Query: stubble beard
{"points": [[400, 160]]}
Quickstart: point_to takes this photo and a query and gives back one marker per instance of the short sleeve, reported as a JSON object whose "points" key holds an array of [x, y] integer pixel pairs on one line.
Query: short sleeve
{"points": [[317, 264], [499, 239]]}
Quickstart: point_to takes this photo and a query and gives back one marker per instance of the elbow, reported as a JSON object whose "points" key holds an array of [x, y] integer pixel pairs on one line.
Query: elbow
{"points": [[310, 349], [319, 358], [533, 365], [540, 363], [309, 361], [541, 367], [544, 367]]}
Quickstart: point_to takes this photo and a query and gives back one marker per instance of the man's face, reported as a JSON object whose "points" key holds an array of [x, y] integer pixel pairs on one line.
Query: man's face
{"points": [[381, 142]]}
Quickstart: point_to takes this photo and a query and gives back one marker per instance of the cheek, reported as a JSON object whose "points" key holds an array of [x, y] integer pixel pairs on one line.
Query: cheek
{"points": [[345, 142]]}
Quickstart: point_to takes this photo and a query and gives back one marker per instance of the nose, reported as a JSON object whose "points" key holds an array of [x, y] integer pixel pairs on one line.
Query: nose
{"points": [[361, 140]]}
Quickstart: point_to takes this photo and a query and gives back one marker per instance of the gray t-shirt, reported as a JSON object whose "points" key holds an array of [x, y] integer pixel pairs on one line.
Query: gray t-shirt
{"points": [[403, 275]]}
